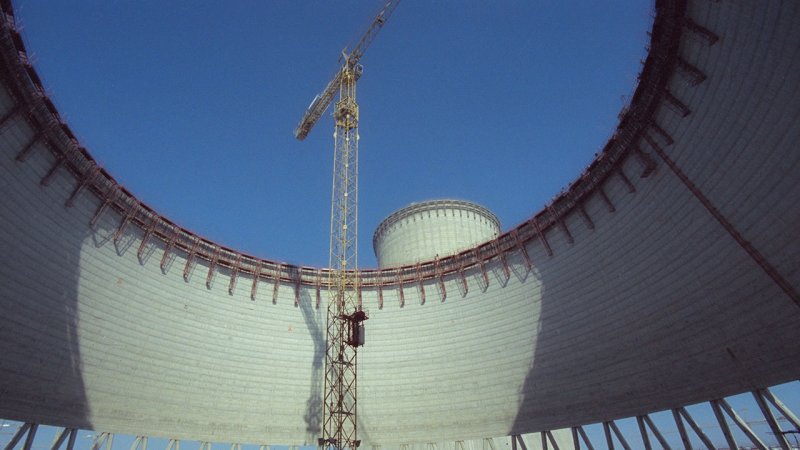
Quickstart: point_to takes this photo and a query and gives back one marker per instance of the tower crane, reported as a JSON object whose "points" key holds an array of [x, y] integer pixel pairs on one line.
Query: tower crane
{"points": [[345, 317]]}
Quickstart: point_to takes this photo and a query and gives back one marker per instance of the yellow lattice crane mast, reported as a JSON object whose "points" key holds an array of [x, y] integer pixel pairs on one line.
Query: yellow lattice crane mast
{"points": [[345, 329]]}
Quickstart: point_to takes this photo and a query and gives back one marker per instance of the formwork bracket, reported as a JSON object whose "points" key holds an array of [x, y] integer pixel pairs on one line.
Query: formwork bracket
{"points": [[437, 271], [168, 248], [297, 281], [256, 276], [646, 161], [585, 216], [10, 113], [212, 265], [700, 31], [276, 282], [660, 131], [464, 284], [59, 161], [420, 283], [606, 200], [695, 75], [535, 222], [22, 155], [675, 104], [400, 288], [625, 180], [146, 237], [109, 197], [129, 215], [237, 266], [478, 257], [523, 250], [190, 259], [506, 269], [86, 178]]}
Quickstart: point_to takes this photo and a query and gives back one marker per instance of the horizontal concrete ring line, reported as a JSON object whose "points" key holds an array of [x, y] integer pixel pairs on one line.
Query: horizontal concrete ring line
{"points": [[659, 66]]}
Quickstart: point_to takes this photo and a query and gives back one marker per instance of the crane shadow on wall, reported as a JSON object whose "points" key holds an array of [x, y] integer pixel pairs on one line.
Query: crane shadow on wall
{"points": [[315, 323], [41, 371]]}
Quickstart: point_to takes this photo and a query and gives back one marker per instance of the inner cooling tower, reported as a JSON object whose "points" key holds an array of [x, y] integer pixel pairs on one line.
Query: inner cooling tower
{"points": [[430, 229]]}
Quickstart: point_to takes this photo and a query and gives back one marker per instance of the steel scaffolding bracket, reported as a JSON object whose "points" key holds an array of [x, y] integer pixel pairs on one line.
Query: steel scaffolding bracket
{"points": [[129, 215], [535, 222], [700, 31], [621, 174], [58, 162], [109, 197], [146, 237], [419, 283], [695, 75], [585, 216], [400, 291], [187, 268], [10, 113], [276, 282], [437, 270], [675, 104], [523, 250], [212, 265], [168, 249], [237, 265], [660, 131], [256, 276], [87, 178], [646, 161], [606, 200]]}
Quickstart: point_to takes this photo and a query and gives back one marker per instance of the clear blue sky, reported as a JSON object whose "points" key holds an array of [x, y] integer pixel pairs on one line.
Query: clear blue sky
{"points": [[192, 105]]}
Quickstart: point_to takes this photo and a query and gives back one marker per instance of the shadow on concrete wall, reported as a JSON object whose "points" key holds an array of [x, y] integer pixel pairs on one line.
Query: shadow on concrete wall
{"points": [[315, 322], [40, 370]]}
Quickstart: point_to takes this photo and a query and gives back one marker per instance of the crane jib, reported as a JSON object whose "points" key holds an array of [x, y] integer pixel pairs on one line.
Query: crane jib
{"points": [[322, 101]]}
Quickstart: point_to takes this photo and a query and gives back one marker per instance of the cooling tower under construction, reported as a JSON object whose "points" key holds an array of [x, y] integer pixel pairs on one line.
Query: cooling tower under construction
{"points": [[665, 275]]}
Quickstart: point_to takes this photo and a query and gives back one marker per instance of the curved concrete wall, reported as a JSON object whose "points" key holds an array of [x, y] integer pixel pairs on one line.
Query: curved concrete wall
{"points": [[666, 275], [432, 229]]}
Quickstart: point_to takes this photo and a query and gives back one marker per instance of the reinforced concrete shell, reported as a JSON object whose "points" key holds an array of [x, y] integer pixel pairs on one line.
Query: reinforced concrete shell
{"points": [[666, 274]]}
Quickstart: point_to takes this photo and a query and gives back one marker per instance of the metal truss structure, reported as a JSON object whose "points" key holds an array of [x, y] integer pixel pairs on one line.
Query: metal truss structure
{"points": [[339, 423]]}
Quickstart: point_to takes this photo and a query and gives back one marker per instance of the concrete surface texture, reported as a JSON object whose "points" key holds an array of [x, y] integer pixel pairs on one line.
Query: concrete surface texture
{"points": [[667, 274], [432, 229]]}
